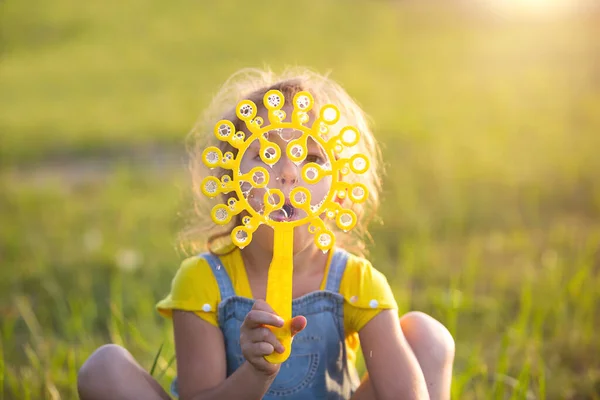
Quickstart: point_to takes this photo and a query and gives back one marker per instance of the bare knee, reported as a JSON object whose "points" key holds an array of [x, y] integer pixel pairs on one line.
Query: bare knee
{"points": [[105, 368], [426, 334]]}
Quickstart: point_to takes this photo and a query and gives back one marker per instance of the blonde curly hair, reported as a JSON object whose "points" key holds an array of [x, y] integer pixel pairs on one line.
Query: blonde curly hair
{"points": [[201, 232]]}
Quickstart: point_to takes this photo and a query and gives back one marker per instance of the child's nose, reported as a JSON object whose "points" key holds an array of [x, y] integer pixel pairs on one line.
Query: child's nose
{"points": [[288, 172]]}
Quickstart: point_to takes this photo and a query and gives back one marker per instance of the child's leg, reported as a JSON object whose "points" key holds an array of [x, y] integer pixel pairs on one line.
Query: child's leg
{"points": [[434, 348], [112, 373]]}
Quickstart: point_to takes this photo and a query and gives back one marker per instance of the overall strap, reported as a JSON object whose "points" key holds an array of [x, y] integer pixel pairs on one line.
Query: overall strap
{"points": [[225, 286], [336, 270]]}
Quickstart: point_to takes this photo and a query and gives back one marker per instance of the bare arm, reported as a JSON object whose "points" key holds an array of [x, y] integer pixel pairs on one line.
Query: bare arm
{"points": [[202, 366], [393, 369]]}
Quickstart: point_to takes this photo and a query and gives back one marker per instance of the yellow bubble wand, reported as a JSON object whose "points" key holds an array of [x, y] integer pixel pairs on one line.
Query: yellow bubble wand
{"points": [[279, 286]]}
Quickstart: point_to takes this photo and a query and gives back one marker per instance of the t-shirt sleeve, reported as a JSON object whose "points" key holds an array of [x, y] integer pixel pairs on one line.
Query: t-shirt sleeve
{"points": [[366, 292], [194, 288]]}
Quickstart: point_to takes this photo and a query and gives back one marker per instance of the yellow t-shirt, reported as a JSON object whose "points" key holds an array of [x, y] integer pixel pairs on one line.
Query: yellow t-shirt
{"points": [[194, 288]]}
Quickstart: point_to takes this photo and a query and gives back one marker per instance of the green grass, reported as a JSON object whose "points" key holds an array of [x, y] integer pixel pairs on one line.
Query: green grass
{"points": [[491, 205]]}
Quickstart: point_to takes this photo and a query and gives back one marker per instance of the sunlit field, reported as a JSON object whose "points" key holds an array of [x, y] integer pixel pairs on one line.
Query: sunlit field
{"points": [[489, 123]]}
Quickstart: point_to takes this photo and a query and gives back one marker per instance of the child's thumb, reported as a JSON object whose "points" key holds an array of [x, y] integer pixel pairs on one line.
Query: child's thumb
{"points": [[297, 324]]}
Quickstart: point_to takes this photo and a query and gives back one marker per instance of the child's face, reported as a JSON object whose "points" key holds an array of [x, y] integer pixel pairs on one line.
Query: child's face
{"points": [[285, 175]]}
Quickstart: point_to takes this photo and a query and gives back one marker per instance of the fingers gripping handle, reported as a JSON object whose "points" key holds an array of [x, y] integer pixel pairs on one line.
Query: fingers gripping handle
{"points": [[285, 337], [279, 290]]}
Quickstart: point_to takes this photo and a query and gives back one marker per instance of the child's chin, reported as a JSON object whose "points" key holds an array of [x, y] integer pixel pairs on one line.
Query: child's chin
{"points": [[303, 239]]}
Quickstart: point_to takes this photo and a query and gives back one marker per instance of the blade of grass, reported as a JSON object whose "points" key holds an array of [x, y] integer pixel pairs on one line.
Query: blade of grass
{"points": [[156, 359], [2, 371], [116, 307], [541, 380], [166, 368], [72, 371], [521, 390], [501, 369]]}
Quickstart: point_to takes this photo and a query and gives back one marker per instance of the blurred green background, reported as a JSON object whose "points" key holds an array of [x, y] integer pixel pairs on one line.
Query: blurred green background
{"points": [[489, 118]]}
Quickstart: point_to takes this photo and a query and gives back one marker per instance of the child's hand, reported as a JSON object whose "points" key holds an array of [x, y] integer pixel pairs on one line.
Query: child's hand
{"points": [[258, 341]]}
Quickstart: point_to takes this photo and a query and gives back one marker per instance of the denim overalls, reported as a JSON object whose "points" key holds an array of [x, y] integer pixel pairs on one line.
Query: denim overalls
{"points": [[317, 367]]}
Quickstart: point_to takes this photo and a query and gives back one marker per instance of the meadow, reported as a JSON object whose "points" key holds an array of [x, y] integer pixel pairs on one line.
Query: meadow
{"points": [[490, 129]]}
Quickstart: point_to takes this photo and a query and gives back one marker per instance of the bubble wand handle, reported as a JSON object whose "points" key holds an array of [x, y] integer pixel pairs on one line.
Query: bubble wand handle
{"points": [[279, 289]]}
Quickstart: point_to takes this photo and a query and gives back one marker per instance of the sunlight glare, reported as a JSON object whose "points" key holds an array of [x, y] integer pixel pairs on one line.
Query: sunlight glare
{"points": [[537, 6]]}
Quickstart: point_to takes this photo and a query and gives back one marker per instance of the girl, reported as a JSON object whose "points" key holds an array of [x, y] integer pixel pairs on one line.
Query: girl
{"points": [[340, 300]]}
